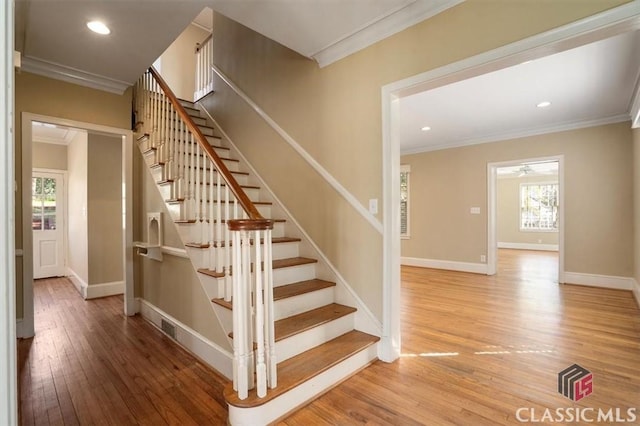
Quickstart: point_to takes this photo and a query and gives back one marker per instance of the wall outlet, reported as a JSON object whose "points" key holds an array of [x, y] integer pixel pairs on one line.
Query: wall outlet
{"points": [[483, 258], [474, 210]]}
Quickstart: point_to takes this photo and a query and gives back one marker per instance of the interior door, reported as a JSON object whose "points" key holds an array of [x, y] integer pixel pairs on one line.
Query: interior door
{"points": [[47, 195]]}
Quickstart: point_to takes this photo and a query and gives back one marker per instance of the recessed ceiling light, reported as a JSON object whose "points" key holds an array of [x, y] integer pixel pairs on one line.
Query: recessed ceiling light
{"points": [[98, 27], [544, 104], [426, 128]]}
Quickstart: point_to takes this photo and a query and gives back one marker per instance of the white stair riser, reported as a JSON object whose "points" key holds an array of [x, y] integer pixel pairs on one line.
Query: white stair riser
{"points": [[302, 342], [224, 315], [286, 250], [207, 131], [252, 193], [290, 306], [294, 274], [214, 287], [285, 403]]}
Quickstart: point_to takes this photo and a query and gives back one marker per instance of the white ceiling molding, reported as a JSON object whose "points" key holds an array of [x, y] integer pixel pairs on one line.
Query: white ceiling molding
{"points": [[386, 26], [522, 134], [72, 75]]}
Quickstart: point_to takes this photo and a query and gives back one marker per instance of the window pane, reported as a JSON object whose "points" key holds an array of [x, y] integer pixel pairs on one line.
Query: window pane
{"points": [[539, 207], [36, 220], [36, 185], [49, 187], [49, 222]]}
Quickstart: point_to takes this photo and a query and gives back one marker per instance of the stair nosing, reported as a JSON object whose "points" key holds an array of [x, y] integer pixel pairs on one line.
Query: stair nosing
{"points": [[367, 340]]}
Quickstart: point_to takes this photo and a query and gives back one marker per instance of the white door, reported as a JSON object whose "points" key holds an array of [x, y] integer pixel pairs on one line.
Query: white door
{"points": [[47, 195]]}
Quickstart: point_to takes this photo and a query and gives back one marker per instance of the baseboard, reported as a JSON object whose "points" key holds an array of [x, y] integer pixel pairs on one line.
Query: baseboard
{"points": [[78, 283], [450, 265], [19, 331], [636, 290], [594, 280], [526, 246], [94, 291], [215, 356]]}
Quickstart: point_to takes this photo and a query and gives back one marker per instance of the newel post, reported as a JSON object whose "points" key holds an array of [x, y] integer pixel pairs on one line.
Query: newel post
{"points": [[253, 319]]}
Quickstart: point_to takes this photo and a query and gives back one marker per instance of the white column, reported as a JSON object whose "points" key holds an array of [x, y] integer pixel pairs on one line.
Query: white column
{"points": [[8, 368]]}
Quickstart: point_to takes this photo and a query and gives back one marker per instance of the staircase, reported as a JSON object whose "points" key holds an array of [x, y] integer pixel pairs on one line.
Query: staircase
{"points": [[315, 343]]}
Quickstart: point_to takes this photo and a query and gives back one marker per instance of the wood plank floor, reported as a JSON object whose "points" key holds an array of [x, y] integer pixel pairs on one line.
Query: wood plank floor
{"points": [[475, 349], [91, 365]]}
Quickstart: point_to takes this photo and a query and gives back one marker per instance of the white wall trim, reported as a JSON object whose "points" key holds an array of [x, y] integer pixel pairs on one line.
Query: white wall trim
{"points": [[526, 246], [635, 288], [523, 133], [73, 75], [595, 280], [27, 234], [365, 320], [209, 352], [172, 251], [335, 184], [373, 32], [95, 291], [449, 265], [80, 284], [596, 27]]}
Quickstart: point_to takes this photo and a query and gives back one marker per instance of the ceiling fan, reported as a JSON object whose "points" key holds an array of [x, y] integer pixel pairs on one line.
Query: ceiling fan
{"points": [[525, 170]]}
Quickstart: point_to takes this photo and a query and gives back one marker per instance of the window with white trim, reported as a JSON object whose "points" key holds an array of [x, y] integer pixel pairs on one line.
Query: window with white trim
{"points": [[404, 201], [539, 207]]}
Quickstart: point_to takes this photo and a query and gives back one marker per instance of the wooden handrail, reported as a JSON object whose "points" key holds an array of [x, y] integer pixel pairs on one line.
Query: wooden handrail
{"points": [[233, 185]]}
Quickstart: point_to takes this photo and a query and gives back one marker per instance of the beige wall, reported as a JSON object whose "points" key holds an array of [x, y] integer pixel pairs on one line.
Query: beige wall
{"points": [[77, 212], [334, 113], [41, 95], [178, 62], [598, 198], [172, 285], [508, 212], [49, 156], [104, 195]]}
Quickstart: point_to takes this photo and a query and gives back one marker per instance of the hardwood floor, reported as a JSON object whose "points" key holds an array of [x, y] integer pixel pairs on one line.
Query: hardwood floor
{"points": [[91, 365], [475, 349]]}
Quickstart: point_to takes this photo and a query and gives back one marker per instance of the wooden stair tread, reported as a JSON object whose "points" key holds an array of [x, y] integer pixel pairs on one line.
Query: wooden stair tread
{"points": [[191, 221], [296, 324], [211, 273], [293, 261], [276, 264], [276, 240], [289, 290], [305, 366], [302, 287]]}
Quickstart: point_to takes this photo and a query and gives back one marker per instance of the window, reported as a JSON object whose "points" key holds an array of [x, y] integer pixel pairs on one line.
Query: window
{"points": [[404, 201], [539, 207], [43, 202]]}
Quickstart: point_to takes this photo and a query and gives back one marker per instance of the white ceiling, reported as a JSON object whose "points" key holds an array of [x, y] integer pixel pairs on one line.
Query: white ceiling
{"points": [[589, 85], [51, 133], [54, 40], [329, 30]]}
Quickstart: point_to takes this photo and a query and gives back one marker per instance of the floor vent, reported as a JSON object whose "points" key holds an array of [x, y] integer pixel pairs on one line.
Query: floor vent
{"points": [[168, 328]]}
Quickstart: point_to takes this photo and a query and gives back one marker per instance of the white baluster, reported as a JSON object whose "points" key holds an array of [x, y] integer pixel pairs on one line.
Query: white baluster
{"points": [[261, 368], [192, 180], [269, 312], [228, 293]]}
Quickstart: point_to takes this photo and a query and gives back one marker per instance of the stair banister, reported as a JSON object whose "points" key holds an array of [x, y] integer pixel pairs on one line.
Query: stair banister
{"points": [[237, 191], [181, 151]]}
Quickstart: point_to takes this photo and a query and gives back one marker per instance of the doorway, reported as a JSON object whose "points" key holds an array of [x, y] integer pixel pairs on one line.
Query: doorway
{"points": [[124, 139], [527, 217]]}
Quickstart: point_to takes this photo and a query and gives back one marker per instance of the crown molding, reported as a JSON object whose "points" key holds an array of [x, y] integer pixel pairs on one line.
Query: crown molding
{"points": [[398, 20], [563, 127], [73, 75]]}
